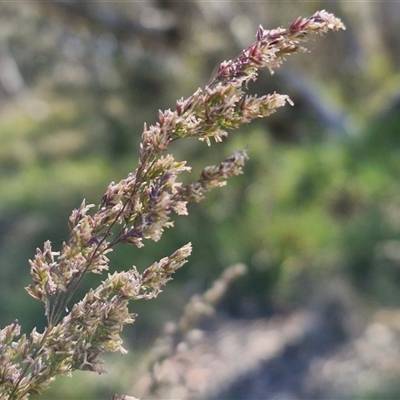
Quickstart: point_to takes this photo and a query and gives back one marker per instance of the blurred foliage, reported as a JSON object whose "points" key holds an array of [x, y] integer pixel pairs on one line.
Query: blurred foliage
{"points": [[320, 196]]}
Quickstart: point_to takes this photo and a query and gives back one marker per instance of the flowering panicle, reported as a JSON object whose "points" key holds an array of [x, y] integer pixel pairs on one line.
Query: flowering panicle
{"points": [[170, 356], [137, 208]]}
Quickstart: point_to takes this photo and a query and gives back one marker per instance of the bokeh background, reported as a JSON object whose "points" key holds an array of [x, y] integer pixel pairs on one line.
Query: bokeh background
{"points": [[315, 217]]}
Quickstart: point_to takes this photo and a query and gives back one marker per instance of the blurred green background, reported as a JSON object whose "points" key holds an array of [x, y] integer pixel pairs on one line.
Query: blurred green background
{"points": [[320, 197]]}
